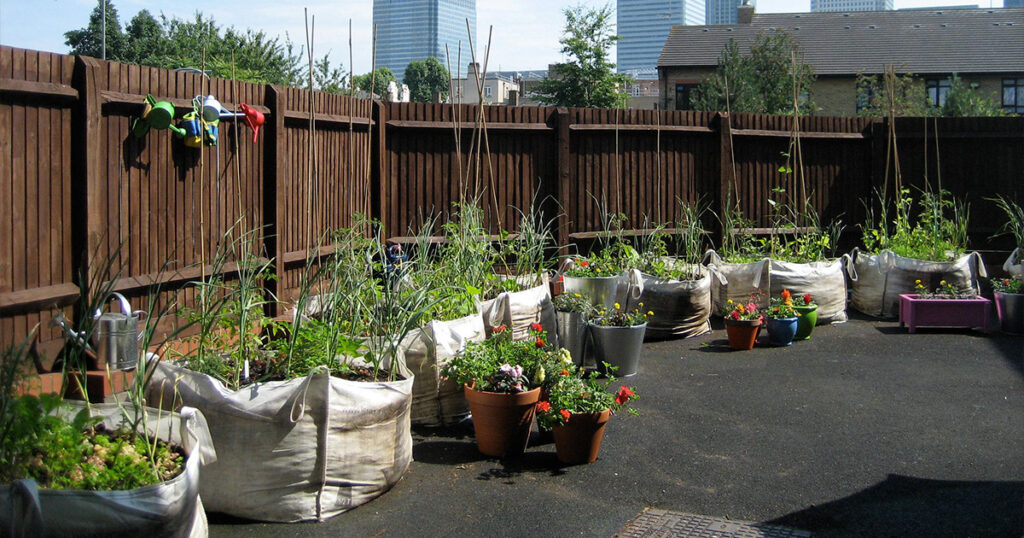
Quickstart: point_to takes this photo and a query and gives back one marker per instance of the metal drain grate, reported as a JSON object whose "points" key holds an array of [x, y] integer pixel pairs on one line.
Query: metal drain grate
{"points": [[657, 523]]}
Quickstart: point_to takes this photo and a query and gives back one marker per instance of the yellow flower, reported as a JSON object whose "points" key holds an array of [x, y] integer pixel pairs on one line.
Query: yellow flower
{"points": [[650, 313], [942, 282], [617, 307], [597, 270], [641, 305], [730, 300], [577, 295], [918, 282]]}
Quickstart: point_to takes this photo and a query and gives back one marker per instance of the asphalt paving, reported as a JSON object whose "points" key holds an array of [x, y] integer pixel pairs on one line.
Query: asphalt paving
{"points": [[863, 430]]}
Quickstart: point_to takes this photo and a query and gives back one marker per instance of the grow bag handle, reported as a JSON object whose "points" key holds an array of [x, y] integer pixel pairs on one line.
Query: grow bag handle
{"points": [[196, 436], [849, 265], [26, 512], [1012, 260]]}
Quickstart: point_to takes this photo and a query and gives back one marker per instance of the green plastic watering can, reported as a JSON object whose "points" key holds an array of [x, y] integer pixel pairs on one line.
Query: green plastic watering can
{"points": [[156, 115]]}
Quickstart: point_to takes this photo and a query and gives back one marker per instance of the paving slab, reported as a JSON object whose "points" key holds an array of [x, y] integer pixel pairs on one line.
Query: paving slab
{"points": [[863, 430]]}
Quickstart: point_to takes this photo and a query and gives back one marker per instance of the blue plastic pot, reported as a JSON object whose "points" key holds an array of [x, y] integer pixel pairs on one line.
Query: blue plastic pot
{"points": [[781, 331]]}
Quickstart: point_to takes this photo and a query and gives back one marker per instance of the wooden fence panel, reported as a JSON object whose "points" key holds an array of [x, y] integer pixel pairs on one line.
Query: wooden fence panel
{"points": [[36, 267]]}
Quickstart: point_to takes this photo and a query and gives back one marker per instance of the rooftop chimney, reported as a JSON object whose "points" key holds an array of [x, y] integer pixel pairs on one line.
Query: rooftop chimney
{"points": [[745, 13]]}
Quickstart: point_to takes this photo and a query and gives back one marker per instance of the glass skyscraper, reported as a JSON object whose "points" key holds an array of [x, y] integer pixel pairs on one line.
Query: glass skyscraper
{"points": [[643, 26], [410, 30], [723, 11], [818, 6]]}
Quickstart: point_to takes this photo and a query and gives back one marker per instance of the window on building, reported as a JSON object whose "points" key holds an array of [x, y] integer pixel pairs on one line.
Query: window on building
{"points": [[865, 94], [487, 91], [686, 94], [1013, 95], [937, 90]]}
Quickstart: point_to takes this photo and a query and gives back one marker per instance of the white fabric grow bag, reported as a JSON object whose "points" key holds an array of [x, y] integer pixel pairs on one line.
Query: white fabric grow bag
{"points": [[681, 307], [437, 401], [296, 450], [825, 281], [170, 508], [877, 280], [519, 309], [1013, 264], [736, 281]]}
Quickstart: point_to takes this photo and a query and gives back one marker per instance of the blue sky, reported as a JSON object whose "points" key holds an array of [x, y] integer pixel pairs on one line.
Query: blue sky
{"points": [[526, 32]]}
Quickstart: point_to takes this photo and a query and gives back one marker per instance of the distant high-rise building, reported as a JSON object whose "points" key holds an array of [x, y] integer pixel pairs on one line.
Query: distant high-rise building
{"points": [[409, 30], [1013, 3], [818, 6], [723, 11], [643, 26]]}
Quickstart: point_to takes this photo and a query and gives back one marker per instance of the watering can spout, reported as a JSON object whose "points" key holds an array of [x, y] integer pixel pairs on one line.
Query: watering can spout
{"points": [[254, 118]]}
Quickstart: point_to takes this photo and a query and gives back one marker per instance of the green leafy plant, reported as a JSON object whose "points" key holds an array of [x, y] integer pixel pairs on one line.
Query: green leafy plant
{"points": [[620, 317], [1014, 225], [1008, 285], [945, 290], [938, 233], [572, 302], [782, 307], [481, 364], [573, 394]]}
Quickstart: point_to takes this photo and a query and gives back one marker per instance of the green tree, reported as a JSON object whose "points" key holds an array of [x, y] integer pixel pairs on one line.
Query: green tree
{"points": [[327, 78], [88, 41], [760, 82], [146, 39], [903, 93], [964, 100], [380, 81], [586, 79], [425, 78]]}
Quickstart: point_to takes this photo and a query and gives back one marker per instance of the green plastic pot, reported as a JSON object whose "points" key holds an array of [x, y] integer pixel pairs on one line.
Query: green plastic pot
{"points": [[806, 322]]}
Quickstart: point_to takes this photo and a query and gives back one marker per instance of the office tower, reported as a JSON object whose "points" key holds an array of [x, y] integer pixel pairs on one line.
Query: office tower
{"points": [[643, 26], [850, 5], [723, 11], [409, 30]]}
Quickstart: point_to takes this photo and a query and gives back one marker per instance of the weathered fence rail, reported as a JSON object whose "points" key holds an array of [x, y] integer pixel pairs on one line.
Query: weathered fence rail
{"points": [[77, 188]]}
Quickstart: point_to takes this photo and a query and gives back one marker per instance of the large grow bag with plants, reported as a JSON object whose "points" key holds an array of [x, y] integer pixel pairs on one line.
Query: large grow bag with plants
{"points": [[825, 281], [296, 450], [437, 401], [170, 508], [517, 310], [877, 280], [681, 307], [735, 281]]}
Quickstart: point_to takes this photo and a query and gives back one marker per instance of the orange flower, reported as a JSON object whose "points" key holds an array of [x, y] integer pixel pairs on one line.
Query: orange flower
{"points": [[564, 372], [543, 407]]}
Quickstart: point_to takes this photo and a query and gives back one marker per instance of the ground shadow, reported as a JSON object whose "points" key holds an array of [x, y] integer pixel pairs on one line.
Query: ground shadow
{"points": [[446, 452], [908, 506], [529, 462]]}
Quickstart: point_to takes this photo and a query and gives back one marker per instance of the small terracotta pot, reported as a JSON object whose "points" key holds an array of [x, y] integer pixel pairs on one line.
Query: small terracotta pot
{"points": [[742, 333], [579, 440], [502, 421]]}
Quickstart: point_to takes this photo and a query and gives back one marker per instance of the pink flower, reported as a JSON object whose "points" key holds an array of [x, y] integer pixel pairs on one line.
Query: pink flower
{"points": [[735, 315]]}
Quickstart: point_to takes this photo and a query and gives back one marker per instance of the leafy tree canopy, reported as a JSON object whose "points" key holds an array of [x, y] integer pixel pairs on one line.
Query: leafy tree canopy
{"points": [[586, 78], [425, 78], [761, 82], [380, 81], [905, 94], [173, 43]]}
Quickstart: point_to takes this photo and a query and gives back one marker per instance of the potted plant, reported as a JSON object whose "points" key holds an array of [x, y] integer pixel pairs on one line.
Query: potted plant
{"points": [[1009, 293], [808, 311], [572, 310], [618, 337], [502, 380], [577, 410], [782, 318], [596, 278], [946, 306], [744, 322]]}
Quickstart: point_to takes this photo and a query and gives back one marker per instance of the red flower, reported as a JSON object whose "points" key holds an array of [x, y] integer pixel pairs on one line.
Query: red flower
{"points": [[539, 342], [623, 395], [584, 263], [735, 315], [1006, 282], [499, 328], [543, 407], [565, 414], [807, 298], [536, 327]]}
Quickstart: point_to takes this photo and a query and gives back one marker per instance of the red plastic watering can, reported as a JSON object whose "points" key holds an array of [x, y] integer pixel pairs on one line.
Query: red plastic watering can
{"points": [[254, 118]]}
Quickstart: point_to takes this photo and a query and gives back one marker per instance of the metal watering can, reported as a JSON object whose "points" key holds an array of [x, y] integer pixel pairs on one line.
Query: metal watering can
{"points": [[115, 338]]}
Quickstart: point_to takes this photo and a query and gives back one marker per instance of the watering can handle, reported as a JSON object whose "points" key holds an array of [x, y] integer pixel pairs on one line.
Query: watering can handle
{"points": [[126, 307]]}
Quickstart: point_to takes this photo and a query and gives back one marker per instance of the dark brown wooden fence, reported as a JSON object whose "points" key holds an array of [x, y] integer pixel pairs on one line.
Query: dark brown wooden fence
{"points": [[76, 187]]}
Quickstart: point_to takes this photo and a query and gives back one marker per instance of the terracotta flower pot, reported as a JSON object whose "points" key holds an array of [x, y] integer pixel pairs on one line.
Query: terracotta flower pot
{"points": [[806, 322], [502, 421], [742, 333], [579, 440]]}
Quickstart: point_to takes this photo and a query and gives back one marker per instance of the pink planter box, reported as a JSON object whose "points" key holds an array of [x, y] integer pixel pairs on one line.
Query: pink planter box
{"points": [[969, 313]]}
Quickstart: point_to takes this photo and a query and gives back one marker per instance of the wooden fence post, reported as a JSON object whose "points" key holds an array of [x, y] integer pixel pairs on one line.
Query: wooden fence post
{"points": [[88, 200], [726, 177], [380, 181], [274, 179], [564, 159]]}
